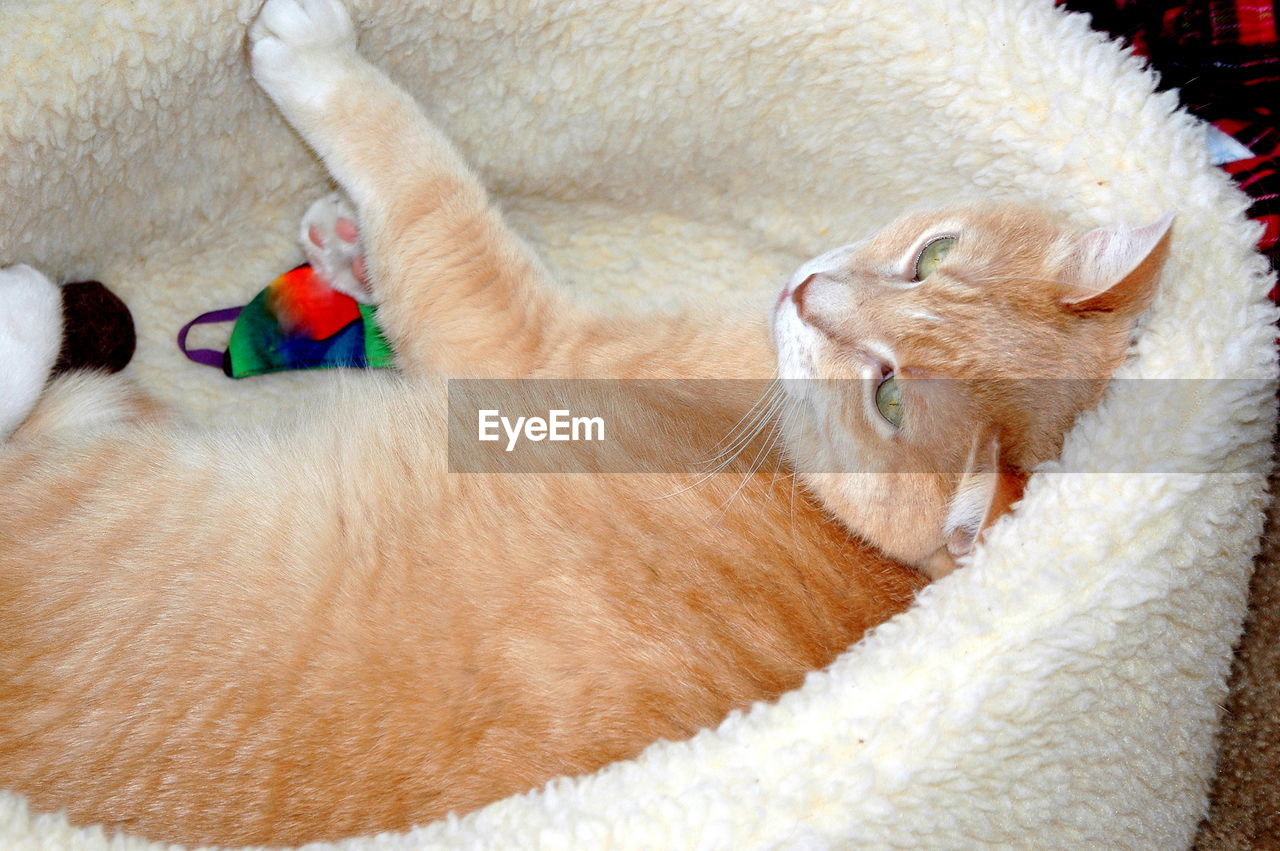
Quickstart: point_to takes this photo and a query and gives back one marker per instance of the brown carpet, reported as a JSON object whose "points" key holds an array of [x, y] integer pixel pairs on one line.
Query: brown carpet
{"points": [[1244, 811]]}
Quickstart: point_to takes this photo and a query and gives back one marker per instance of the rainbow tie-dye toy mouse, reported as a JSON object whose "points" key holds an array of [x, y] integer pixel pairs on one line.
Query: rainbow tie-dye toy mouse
{"points": [[298, 322]]}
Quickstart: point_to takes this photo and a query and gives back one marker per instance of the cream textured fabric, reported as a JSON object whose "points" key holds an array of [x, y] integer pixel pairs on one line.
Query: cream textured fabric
{"points": [[1060, 692]]}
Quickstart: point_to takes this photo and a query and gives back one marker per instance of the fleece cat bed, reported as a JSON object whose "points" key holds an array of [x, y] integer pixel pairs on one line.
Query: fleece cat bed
{"points": [[1061, 691]]}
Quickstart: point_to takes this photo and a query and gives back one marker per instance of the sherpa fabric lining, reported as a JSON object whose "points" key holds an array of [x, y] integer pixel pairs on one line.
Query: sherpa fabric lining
{"points": [[1063, 690]]}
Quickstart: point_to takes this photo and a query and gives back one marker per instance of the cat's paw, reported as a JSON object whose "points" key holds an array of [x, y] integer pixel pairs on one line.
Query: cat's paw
{"points": [[331, 240], [296, 47], [30, 337], [320, 25]]}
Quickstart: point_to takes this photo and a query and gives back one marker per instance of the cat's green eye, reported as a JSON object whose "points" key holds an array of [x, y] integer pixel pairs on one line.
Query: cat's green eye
{"points": [[931, 256], [889, 400]]}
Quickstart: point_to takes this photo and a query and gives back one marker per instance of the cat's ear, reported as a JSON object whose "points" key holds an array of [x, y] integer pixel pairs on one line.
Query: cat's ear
{"points": [[985, 492], [1113, 269]]}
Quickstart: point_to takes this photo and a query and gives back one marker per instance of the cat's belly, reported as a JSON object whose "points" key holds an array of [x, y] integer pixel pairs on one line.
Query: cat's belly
{"points": [[243, 642]]}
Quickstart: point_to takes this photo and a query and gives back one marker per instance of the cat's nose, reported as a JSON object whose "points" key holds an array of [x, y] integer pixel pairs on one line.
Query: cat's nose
{"points": [[798, 295]]}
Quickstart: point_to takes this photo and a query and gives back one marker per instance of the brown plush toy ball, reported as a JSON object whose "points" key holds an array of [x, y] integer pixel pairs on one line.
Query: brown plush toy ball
{"points": [[97, 329]]}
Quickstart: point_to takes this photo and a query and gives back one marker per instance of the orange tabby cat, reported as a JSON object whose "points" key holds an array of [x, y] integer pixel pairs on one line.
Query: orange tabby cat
{"points": [[317, 631]]}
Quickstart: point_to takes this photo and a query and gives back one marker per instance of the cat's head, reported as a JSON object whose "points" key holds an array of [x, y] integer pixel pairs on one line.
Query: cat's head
{"points": [[933, 366]]}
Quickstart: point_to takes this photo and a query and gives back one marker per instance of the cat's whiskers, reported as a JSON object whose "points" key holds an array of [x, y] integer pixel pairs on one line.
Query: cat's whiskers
{"points": [[789, 409], [740, 435], [790, 412], [766, 408], [757, 462]]}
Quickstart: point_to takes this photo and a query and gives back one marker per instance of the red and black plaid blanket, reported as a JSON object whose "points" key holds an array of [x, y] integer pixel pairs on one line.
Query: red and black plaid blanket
{"points": [[1223, 57]]}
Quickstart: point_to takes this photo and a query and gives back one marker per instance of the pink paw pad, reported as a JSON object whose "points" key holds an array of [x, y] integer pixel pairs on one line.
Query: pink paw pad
{"points": [[349, 233], [330, 237], [346, 230]]}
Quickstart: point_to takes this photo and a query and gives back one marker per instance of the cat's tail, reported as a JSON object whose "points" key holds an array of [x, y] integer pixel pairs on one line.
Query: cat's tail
{"points": [[83, 402]]}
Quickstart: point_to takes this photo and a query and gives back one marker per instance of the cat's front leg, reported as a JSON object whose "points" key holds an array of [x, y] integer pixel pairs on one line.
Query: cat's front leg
{"points": [[459, 292], [303, 52]]}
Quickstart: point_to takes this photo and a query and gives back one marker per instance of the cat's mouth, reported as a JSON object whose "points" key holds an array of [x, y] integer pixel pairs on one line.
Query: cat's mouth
{"points": [[794, 340]]}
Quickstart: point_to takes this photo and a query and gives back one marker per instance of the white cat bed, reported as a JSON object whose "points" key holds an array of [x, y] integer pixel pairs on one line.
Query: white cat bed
{"points": [[1061, 692]]}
